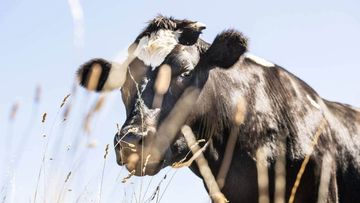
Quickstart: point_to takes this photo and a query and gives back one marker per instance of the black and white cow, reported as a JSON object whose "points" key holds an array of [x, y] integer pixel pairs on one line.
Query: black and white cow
{"points": [[275, 107]]}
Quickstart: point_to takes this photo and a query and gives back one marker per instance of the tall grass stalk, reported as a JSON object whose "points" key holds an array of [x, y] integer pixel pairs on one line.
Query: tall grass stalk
{"points": [[103, 171]]}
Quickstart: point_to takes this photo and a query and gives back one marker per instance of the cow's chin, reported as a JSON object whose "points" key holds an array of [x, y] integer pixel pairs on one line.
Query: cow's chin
{"points": [[139, 168], [150, 169]]}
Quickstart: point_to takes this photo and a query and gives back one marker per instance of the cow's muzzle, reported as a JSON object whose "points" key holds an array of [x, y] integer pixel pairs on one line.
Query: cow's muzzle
{"points": [[132, 151]]}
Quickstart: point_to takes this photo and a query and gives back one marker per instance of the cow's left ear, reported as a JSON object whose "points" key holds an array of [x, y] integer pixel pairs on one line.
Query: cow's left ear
{"points": [[226, 49]]}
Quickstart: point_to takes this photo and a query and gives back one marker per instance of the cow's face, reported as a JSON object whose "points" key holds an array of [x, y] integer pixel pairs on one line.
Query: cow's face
{"points": [[165, 60]]}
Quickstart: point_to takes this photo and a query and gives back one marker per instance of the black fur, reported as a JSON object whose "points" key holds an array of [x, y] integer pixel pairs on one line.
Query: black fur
{"points": [[189, 32], [156, 24], [226, 49], [224, 52], [84, 72]]}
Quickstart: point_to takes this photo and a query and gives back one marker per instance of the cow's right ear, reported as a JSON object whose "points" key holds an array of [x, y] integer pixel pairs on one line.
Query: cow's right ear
{"points": [[190, 32], [226, 49], [101, 75]]}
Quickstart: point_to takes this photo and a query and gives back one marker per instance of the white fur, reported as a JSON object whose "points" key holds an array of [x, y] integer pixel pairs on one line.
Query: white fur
{"points": [[199, 24], [153, 50], [306, 130], [116, 78], [259, 60], [312, 102], [262, 101], [349, 142], [270, 150], [294, 84], [326, 169]]}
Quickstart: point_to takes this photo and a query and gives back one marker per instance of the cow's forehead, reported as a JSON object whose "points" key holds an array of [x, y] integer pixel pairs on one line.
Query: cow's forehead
{"points": [[160, 37], [153, 49]]}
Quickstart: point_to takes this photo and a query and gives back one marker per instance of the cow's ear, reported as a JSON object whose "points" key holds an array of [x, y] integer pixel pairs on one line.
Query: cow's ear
{"points": [[101, 75], [226, 49], [190, 32]]}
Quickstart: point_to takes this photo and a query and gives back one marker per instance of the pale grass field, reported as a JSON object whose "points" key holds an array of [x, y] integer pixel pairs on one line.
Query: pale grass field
{"points": [[65, 154]]}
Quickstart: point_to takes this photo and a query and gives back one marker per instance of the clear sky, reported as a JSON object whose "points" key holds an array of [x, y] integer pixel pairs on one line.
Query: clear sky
{"points": [[41, 44]]}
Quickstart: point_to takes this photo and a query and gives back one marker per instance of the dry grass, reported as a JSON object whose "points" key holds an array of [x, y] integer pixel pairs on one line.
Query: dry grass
{"points": [[263, 176], [306, 160], [214, 191], [103, 171]]}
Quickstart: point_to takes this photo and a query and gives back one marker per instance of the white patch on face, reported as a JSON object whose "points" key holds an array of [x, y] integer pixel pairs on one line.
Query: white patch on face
{"points": [[116, 78], [154, 49], [259, 60], [312, 102]]}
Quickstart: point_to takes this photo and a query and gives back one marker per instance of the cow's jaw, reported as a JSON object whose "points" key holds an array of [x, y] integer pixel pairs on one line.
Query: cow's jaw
{"points": [[137, 164]]}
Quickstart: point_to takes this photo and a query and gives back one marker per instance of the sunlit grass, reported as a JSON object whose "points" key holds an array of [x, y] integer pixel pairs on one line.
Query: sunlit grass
{"points": [[65, 152]]}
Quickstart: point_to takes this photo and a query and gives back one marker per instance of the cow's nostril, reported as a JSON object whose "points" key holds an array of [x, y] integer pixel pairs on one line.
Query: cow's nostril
{"points": [[130, 140]]}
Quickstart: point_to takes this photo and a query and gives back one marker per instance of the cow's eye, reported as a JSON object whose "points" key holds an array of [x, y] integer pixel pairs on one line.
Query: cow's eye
{"points": [[186, 74]]}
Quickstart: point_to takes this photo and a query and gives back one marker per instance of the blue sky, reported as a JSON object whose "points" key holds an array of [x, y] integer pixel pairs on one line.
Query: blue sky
{"points": [[316, 40]]}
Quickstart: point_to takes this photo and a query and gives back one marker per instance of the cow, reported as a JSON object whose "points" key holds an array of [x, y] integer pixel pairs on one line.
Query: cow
{"points": [[267, 108]]}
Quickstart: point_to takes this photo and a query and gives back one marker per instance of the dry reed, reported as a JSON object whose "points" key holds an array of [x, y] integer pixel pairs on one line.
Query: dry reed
{"points": [[43, 164], [14, 110], [162, 84], [214, 191], [126, 178], [280, 174], [263, 176], [238, 119], [306, 160], [326, 169], [44, 117], [103, 171], [172, 124], [64, 100], [37, 96], [229, 151]]}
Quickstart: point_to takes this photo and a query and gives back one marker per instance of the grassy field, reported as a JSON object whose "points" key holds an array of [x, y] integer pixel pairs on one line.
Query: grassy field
{"points": [[65, 154]]}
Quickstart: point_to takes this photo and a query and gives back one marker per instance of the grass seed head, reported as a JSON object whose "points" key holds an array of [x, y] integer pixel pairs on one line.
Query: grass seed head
{"points": [[64, 100], [14, 110], [44, 117], [125, 179], [106, 151], [146, 162], [67, 177]]}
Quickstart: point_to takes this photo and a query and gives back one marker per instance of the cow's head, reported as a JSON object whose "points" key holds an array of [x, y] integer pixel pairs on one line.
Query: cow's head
{"points": [[166, 60]]}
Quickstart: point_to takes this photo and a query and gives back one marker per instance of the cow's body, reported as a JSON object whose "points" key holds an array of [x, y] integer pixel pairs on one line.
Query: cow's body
{"points": [[262, 104], [279, 106]]}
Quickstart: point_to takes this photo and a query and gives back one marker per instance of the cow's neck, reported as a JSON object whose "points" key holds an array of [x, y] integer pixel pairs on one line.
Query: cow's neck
{"points": [[242, 171], [241, 183]]}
